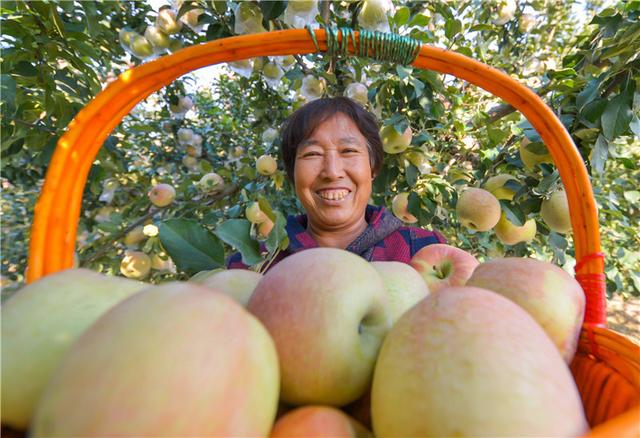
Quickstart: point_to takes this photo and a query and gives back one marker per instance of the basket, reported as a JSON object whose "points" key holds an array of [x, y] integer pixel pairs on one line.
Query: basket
{"points": [[607, 365]]}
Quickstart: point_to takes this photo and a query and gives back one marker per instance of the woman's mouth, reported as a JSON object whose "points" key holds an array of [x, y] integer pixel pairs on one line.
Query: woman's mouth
{"points": [[333, 194]]}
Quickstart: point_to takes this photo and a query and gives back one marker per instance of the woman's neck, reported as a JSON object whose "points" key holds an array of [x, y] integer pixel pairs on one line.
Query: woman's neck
{"points": [[337, 238]]}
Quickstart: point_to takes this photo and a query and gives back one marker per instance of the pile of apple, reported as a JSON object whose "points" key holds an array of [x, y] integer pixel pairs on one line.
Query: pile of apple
{"points": [[323, 344]]}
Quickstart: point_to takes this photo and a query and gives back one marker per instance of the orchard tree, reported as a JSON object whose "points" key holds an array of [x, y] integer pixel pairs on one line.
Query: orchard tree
{"points": [[193, 174]]}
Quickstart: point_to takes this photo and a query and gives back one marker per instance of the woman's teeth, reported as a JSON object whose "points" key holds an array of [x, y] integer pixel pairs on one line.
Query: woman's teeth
{"points": [[333, 195]]}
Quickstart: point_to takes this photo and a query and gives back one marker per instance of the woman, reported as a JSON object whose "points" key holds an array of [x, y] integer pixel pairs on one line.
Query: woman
{"points": [[332, 151]]}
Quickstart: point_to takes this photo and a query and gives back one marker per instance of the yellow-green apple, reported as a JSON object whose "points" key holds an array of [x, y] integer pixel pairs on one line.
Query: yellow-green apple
{"points": [[443, 266], [157, 38], [192, 19], [141, 47], [248, 18], [358, 92], [162, 195], [176, 360], [239, 284], [510, 234], [135, 264], [125, 36], [404, 285], [185, 135], [272, 71], [526, 22], [373, 14], [194, 150], [269, 135], [312, 87], [495, 185], [506, 11], [555, 212], [190, 162], [469, 362], [266, 165], [550, 295], [319, 422], [301, 5], [529, 158], [39, 324], [394, 142], [400, 205], [478, 209], [166, 21], [254, 214], [327, 310], [134, 237], [211, 183]]}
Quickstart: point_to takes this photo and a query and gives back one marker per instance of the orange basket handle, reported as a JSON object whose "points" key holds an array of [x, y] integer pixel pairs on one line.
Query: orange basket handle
{"points": [[53, 233]]}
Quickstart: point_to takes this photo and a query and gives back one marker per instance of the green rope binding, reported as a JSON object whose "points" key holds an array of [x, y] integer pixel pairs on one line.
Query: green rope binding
{"points": [[377, 45]]}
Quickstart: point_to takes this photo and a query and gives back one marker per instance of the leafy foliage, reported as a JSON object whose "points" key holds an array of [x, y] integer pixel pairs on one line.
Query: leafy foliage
{"points": [[58, 55]]}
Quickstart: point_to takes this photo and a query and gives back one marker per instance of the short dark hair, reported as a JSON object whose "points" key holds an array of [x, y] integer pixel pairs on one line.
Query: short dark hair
{"points": [[300, 125]]}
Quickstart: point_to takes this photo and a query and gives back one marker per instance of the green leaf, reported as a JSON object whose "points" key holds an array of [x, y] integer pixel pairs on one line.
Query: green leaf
{"points": [[593, 110], [419, 20], [513, 213], [635, 125], [599, 154], [278, 237], [616, 116], [411, 173], [192, 247], [452, 27], [236, 232], [402, 16], [23, 68], [8, 93], [558, 241], [272, 9], [632, 196]]}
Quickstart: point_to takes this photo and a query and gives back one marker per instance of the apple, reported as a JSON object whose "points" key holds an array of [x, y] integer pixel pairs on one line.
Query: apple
{"points": [[185, 103], [373, 14], [358, 92], [266, 165], [191, 18], [511, 234], [506, 12], [166, 21], [269, 135], [39, 324], [496, 183], [125, 36], [162, 195], [312, 87], [272, 71], [318, 421], [163, 263], [531, 159], [211, 183], [328, 311], [419, 160], [243, 67], [400, 205], [526, 23], [404, 285], [196, 140], [194, 151], [190, 162], [548, 293], [301, 5], [468, 362], [135, 264], [175, 360], [254, 214], [185, 135], [555, 212], [248, 18], [264, 228], [478, 209], [239, 284], [157, 38], [237, 152], [393, 142], [141, 47], [443, 266], [134, 237]]}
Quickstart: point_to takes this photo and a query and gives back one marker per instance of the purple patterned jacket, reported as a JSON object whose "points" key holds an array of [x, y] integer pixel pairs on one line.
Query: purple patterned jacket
{"points": [[385, 239]]}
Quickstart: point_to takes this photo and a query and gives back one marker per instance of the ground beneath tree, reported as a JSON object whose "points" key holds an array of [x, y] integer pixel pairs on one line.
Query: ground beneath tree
{"points": [[624, 317]]}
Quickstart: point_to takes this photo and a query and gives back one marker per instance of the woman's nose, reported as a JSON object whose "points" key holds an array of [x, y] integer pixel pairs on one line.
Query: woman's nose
{"points": [[333, 167]]}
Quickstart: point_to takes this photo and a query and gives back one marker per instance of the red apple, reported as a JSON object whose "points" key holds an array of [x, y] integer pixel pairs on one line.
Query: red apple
{"points": [[443, 265], [318, 421]]}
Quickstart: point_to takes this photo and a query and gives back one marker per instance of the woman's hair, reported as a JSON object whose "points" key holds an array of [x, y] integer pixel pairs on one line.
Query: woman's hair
{"points": [[300, 125]]}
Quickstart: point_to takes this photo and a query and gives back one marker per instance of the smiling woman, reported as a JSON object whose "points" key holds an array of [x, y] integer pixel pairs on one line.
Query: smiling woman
{"points": [[332, 151]]}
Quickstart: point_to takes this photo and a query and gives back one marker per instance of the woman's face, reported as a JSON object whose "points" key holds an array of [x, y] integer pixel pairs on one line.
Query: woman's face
{"points": [[332, 174]]}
